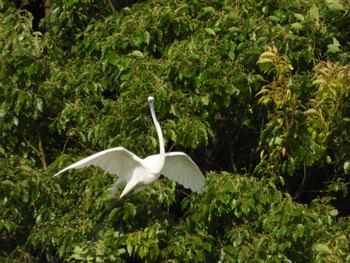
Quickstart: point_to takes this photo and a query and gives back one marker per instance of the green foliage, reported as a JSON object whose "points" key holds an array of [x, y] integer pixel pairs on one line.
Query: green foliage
{"points": [[303, 131], [26, 200], [199, 57], [233, 81], [306, 99], [251, 220], [244, 219]]}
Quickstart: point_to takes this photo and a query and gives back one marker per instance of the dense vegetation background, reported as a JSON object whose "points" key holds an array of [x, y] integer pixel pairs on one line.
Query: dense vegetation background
{"points": [[257, 92]]}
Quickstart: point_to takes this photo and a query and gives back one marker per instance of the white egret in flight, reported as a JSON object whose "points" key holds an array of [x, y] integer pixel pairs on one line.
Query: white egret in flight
{"points": [[132, 171]]}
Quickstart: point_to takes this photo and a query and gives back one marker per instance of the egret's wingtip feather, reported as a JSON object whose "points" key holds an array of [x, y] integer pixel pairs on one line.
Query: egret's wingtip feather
{"points": [[56, 174]]}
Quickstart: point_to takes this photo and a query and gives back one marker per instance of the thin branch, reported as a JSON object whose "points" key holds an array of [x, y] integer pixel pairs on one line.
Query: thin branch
{"points": [[31, 145], [47, 8], [302, 186], [111, 6], [65, 145], [38, 151], [42, 152]]}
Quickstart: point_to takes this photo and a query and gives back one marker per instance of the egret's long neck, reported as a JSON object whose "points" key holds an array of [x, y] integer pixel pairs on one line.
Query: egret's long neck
{"points": [[160, 138]]}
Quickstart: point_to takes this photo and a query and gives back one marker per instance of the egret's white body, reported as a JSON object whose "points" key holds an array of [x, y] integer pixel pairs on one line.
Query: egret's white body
{"points": [[136, 172]]}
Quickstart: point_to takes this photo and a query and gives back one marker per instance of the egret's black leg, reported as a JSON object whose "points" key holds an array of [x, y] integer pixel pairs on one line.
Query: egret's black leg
{"points": [[104, 216], [121, 220]]}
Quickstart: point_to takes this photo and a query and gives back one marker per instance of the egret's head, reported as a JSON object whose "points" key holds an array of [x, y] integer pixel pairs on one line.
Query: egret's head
{"points": [[150, 99]]}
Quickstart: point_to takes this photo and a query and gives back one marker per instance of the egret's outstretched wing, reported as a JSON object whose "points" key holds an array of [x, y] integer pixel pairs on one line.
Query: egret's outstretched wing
{"points": [[117, 160], [179, 167]]}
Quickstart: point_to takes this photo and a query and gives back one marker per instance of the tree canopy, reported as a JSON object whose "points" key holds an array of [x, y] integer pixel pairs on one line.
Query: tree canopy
{"points": [[256, 92]]}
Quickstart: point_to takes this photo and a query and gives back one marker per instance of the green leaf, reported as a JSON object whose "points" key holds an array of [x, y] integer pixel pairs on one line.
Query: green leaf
{"points": [[336, 42], [205, 100], [39, 104], [346, 166], [311, 111], [129, 248], [318, 82], [296, 26], [273, 18], [210, 31], [282, 181], [299, 17], [209, 9], [314, 12], [322, 248], [137, 54], [112, 57], [335, 6], [333, 48], [265, 60], [2, 151], [278, 140], [172, 135], [78, 250], [333, 212], [231, 55]]}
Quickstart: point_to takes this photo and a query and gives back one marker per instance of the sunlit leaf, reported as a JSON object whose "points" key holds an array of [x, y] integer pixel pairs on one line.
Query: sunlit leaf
{"points": [[346, 166], [299, 17], [210, 31], [296, 26], [322, 248], [333, 48], [137, 54], [314, 12], [333, 212], [335, 6]]}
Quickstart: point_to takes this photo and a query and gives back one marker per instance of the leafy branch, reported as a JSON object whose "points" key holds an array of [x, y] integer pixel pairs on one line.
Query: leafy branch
{"points": [[39, 150]]}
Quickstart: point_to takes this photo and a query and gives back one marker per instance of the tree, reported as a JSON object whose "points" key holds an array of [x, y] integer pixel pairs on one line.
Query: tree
{"points": [[258, 87]]}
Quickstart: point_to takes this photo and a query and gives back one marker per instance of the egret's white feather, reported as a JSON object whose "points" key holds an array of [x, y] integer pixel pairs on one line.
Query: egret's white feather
{"points": [[180, 167], [116, 160]]}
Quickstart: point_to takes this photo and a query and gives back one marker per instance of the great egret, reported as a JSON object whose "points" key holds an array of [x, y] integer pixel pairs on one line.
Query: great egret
{"points": [[136, 172]]}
